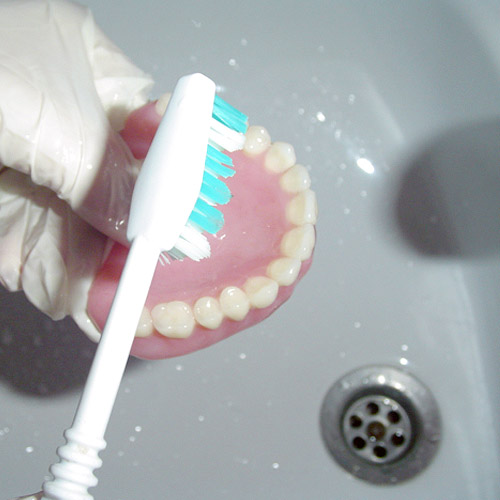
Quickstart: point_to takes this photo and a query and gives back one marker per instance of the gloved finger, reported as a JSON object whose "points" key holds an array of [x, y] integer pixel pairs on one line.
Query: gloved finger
{"points": [[54, 70], [45, 248]]}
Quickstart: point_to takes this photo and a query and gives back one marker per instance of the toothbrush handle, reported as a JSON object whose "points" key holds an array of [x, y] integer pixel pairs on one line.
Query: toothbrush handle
{"points": [[85, 439]]}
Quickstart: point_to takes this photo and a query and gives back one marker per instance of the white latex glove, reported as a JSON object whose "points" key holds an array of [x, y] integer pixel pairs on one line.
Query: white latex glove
{"points": [[65, 90]]}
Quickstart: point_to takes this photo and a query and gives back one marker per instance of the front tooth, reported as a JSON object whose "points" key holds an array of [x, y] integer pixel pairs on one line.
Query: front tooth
{"points": [[234, 303], [208, 313], [173, 319], [279, 157], [284, 270], [303, 208], [162, 103], [261, 291], [298, 243], [145, 327], [296, 179], [257, 140]]}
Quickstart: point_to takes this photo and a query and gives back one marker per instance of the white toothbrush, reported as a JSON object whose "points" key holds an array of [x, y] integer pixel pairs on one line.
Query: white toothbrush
{"points": [[172, 203]]}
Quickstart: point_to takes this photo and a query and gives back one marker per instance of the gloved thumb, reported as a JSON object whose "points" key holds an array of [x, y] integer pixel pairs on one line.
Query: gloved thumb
{"points": [[64, 89]]}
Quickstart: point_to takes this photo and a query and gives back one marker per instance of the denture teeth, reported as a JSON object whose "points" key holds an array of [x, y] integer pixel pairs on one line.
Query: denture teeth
{"points": [[162, 103], [208, 313], [279, 157], [298, 243], [303, 208], [145, 327], [173, 319], [234, 303], [257, 140], [284, 270], [296, 179], [261, 291]]}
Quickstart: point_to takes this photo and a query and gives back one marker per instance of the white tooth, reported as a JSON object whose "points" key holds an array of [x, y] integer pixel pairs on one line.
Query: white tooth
{"points": [[234, 303], [257, 140], [162, 103], [279, 157], [296, 179], [261, 291], [298, 243], [284, 270], [208, 313], [173, 319], [303, 208], [145, 327]]}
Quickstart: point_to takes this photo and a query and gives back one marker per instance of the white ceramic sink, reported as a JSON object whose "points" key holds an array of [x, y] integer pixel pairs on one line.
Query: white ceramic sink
{"points": [[395, 106]]}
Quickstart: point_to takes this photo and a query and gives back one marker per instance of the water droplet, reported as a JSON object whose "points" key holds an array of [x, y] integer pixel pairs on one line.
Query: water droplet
{"points": [[201, 418], [132, 439], [179, 367], [357, 324], [243, 356], [404, 347], [403, 361], [351, 99], [137, 428], [276, 465], [29, 449], [320, 116]]}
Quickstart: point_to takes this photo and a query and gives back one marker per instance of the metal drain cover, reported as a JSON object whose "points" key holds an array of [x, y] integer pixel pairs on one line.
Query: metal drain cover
{"points": [[381, 424]]}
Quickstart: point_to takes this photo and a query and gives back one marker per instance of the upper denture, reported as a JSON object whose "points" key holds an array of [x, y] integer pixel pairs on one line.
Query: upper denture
{"points": [[265, 246]]}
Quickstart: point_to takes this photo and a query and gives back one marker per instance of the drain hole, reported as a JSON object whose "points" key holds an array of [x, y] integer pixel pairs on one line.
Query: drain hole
{"points": [[398, 439], [355, 421], [359, 443], [394, 417], [380, 452], [372, 408], [376, 430]]}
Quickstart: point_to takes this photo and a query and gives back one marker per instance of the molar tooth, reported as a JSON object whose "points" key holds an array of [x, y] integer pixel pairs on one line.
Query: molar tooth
{"points": [[234, 303], [279, 157], [303, 208], [173, 319], [145, 327], [261, 291], [296, 179], [162, 103], [208, 313], [298, 243], [257, 140], [284, 270]]}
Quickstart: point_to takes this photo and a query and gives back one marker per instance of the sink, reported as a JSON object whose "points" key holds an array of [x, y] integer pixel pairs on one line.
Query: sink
{"points": [[395, 107]]}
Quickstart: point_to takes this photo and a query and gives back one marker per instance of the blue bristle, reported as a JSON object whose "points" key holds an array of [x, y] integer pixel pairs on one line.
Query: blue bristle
{"points": [[214, 190], [229, 116], [217, 164], [207, 217]]}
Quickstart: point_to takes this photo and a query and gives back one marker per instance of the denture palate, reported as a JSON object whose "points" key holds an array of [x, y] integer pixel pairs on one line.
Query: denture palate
{"points": [[265, 246]]}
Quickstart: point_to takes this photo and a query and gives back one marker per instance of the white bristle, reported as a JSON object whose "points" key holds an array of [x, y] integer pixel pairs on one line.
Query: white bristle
{"points": [[224, 137]]}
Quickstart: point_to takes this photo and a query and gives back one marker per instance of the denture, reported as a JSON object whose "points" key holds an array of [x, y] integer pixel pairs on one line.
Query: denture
{"points": [[263, 250]]}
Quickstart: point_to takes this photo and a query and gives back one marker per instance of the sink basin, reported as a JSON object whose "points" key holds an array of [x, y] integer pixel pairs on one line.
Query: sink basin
{"points": [[395, 107]]}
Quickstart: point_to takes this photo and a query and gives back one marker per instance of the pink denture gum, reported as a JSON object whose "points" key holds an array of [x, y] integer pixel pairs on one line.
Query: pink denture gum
{"points": [[257, 258]]}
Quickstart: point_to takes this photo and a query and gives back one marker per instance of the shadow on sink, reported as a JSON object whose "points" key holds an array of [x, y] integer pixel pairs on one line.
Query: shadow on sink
{"points": [[38, 356], [449, 198]]}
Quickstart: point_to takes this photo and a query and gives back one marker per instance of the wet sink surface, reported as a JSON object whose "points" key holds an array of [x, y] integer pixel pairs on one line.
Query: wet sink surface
{"points": [[396, 109]]}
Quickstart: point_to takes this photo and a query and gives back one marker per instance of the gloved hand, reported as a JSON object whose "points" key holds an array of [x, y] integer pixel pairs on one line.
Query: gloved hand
{"points": [[66, 175]]}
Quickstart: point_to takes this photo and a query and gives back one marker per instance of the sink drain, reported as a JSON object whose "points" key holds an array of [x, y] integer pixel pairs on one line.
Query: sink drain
{"points": [[381, 424]]}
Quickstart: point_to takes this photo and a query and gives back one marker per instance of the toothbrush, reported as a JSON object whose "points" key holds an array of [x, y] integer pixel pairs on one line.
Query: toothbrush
{"points": [[172, 203]]}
